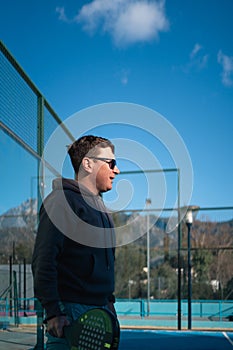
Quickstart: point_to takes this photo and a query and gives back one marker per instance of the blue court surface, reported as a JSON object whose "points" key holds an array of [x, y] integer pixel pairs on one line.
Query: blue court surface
{"points": [[175, 340], [16, 339]]}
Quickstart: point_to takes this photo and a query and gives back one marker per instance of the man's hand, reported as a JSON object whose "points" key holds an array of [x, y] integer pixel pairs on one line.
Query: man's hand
{"points": [[55, 326]]}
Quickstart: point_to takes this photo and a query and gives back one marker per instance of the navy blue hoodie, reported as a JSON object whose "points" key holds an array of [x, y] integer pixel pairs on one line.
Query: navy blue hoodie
{"points": [[73, 258]]}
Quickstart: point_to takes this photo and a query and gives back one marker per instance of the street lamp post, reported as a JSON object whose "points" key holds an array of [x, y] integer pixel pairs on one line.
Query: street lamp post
{"points": [[130, 283], [191, 211], [148, 203]]}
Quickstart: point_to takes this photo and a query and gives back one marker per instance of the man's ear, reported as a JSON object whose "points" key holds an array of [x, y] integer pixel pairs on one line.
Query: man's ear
{"points": [[87, 165]]}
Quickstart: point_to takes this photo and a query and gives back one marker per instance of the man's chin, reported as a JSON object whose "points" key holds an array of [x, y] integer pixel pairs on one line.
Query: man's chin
{"points": [[106, 189]]}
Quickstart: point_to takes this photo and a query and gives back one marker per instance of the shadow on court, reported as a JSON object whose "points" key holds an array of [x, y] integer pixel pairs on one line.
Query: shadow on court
{"points": [[136, 339], [170, 340], [17, 339]]}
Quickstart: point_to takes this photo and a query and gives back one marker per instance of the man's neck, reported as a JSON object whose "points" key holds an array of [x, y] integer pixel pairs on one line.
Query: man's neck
{"points": [[84, 181]]}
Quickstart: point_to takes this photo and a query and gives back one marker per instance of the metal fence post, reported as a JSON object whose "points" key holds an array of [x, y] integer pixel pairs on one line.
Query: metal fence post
{"points": [[179, 255], [40, 147]]}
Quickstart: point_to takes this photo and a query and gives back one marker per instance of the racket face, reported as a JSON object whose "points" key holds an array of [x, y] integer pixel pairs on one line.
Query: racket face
{"points": [[94, 330]]}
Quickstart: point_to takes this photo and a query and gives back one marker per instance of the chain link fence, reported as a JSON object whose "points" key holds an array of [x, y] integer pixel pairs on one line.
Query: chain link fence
{"points": [[211, 250], [26, 123]]}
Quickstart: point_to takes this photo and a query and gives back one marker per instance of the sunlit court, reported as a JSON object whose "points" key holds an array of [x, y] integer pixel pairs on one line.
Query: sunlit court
{"points": [[140, 225]]}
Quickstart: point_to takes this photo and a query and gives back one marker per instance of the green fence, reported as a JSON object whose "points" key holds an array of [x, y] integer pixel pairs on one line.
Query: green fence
{"points": [[26, 122], [207, 314], [25, 113]]}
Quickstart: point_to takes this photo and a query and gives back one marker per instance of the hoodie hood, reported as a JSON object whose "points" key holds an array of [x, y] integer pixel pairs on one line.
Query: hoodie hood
{"points": [[93, 200], [73, 185], [72, 205]]}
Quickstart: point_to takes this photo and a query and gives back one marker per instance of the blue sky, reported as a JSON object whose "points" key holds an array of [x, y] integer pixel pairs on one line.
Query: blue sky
{"points": [[174, 57]]}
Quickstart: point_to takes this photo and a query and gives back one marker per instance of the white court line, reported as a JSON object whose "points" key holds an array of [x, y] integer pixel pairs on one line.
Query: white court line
{"points": [[227, 337]]}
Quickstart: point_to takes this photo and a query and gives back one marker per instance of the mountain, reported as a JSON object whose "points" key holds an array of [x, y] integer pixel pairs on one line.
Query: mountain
{"points": [[17, 232], [18, 228], [20, 216]]}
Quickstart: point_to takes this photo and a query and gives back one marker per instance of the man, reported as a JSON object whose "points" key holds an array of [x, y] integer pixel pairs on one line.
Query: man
{"points": [[73, 258]]}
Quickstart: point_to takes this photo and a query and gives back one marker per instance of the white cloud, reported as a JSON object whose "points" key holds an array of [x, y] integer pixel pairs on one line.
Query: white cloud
{"points": [[139, 22], [124, 77], [227, 66], [62, 15], [197, 59], [195, 50], [202, 61], [124, 80], [126, 21], [98, 12]]}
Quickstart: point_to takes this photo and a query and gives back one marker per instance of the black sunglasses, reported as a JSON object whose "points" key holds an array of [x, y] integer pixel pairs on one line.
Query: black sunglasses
{"points": [[111, 162]]}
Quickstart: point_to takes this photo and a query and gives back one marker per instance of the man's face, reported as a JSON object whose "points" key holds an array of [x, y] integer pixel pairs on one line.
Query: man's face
{"points": [[103, 175]]}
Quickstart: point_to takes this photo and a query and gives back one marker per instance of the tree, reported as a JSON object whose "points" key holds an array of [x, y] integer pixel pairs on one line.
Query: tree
{"points": [[130, 260], [166, 278]]}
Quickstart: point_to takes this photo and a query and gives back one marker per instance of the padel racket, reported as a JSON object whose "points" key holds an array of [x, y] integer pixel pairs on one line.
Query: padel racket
{"points": [[96, 329]]}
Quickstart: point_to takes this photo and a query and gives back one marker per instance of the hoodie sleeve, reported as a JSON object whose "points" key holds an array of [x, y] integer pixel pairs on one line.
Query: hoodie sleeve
{"points": [[48, 247]]}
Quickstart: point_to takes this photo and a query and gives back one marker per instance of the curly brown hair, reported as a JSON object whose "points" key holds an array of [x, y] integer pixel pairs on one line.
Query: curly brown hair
{"points": [[86, 145]]}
